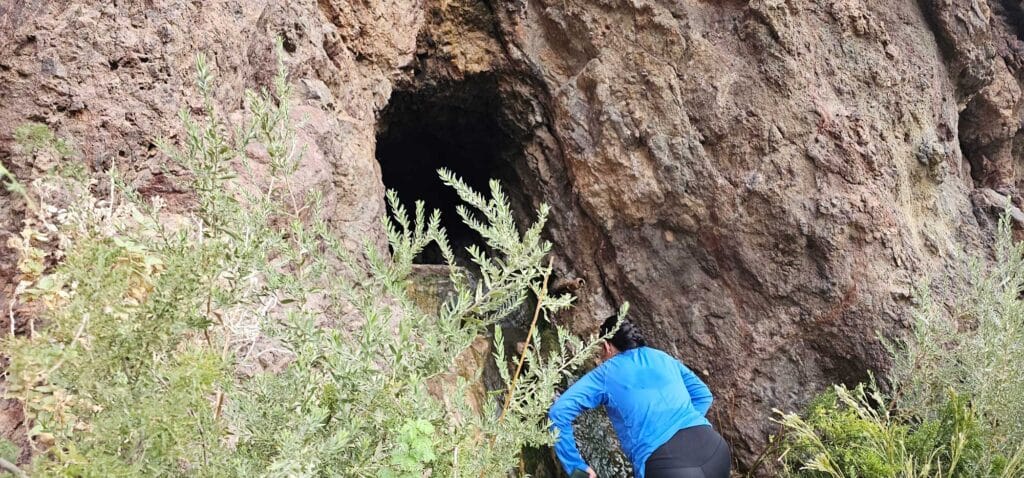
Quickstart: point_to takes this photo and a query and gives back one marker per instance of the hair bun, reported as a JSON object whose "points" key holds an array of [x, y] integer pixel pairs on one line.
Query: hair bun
{"points": [[634, 334], [627, 336]]}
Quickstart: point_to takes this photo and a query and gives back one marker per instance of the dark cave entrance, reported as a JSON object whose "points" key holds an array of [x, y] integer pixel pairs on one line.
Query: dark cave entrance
{"points": [[482, 127], [454, 125]]}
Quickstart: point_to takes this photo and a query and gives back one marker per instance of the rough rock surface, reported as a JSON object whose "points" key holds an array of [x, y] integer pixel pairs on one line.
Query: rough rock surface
{"points": [[767, 180], [112, 78], [764, 180]]}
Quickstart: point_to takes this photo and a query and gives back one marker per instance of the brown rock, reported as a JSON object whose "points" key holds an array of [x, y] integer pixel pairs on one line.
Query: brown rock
{"points": [[762, 180], [469, 367], [746, 176], [13, 427]]}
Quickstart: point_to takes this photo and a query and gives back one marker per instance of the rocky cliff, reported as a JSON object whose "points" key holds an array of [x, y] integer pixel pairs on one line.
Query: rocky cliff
{"points": [[765, 181]]}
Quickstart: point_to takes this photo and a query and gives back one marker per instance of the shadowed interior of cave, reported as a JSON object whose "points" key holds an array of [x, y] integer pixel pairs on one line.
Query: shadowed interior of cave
{"points": [[455, 126], [1013, 14]]}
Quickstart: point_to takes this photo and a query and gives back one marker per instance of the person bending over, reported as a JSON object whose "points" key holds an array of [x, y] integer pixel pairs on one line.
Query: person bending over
{"points": [[656, 405]]}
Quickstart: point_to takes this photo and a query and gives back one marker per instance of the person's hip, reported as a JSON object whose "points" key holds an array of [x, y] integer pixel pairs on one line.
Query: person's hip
{"points": [[695, 452]]}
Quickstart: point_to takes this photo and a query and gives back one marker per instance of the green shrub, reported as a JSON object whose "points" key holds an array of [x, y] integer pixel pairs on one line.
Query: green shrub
{"points": [[154, 329], [34, 138], [852, 433], [957, 392], [980, 353], [8, 451], [10, 183]]}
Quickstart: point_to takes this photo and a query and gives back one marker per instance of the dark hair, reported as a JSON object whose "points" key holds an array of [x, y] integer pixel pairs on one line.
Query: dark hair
{"points": [[626, 337]]}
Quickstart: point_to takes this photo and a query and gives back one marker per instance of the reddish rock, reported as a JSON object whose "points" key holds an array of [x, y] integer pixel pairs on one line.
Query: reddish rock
{"points": [[764, 181]]}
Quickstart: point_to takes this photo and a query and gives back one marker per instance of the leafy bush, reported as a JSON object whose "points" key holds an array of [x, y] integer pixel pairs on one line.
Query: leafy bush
{"points": [[157, 325], [980, 353], [852, 433], [9, 181], [957, 392], [37, 137]]}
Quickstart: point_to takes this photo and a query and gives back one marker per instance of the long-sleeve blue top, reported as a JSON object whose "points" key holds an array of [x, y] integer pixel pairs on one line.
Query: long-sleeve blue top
{"points": [[649, 396]]}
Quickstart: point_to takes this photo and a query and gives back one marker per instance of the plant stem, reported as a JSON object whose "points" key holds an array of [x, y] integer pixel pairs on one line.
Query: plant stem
{"points": [[529, 336], [12, 469]]}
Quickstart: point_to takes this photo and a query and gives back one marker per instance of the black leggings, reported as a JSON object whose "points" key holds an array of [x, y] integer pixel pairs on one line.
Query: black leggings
{"points": [[695, 452]]}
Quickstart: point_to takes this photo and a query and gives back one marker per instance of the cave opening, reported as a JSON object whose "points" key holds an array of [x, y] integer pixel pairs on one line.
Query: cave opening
{"points": [[456, 125], [1013, 14]]}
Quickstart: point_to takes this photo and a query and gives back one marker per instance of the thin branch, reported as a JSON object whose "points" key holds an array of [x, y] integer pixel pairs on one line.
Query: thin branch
{"points": [[529, 336], [10, 314], [110, 205], [12, 469], [219, 405], [78, 335]]}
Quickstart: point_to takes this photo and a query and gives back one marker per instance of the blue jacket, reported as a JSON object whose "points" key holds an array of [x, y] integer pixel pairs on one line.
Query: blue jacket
{"points": [[649, 396]]}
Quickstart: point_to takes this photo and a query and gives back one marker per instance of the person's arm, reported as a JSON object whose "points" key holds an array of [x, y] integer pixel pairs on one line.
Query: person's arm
{"points": [[585, 394], [700, 394]]}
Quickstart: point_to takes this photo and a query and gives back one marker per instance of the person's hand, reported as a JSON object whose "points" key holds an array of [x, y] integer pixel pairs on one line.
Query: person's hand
{"points": [[578, 473]]}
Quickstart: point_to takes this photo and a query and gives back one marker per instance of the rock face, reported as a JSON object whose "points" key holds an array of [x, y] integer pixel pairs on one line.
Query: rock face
{"points": [[113, 78], [764, 181]]}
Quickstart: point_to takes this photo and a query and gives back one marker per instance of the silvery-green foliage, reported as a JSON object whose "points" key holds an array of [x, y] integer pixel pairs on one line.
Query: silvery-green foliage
{"points": [[150, 361], [979, 353], [957, 387], [10, 183], [847, 433]]}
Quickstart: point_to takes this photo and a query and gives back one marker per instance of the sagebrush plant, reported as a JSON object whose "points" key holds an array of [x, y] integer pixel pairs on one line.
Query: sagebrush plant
{"points": [[37, 137], [957, 386], [148, 362], [8, 450], [848, 433], [10, 182], [980, 353]]}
